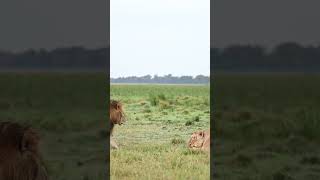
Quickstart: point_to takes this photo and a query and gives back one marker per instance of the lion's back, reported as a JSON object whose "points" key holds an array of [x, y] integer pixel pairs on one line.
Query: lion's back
{"points": [[19, 157]]}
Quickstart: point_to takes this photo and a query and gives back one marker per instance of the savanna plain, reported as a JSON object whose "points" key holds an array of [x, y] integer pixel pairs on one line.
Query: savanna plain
{"points": [[69, 111], [266, 126], [153, 141]]}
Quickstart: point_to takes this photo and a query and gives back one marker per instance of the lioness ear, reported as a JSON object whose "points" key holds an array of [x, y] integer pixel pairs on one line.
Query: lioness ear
{"points": [[201, 133], [118, 106], [30, 141]]}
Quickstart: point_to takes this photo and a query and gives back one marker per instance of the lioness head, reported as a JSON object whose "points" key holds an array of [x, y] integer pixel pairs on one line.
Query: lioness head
{"points": [[117, 115], [197, 139]]}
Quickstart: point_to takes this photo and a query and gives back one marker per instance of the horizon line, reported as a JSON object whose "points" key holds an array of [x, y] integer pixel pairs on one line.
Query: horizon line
{"points": [[152, 76]]}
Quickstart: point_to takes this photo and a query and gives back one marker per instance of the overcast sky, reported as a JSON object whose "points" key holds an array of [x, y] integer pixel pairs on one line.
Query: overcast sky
{"points": [[173, 32], [53, 23], [160, 37], [50, 24], [266, 22]]}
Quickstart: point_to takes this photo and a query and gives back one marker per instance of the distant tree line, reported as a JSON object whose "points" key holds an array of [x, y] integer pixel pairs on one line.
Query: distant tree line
{"points": [[287, 56], [167, 79], [60, 58]]}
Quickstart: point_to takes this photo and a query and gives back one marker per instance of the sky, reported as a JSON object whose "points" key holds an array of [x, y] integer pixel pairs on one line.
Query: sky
{"points": [[265, 22], [159, 37], [50, 24], [53, 23]]}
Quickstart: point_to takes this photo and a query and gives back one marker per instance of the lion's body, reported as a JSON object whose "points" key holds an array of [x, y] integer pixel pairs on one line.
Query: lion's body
{"points": [[117, 116], [200, 140], [19, 155]]}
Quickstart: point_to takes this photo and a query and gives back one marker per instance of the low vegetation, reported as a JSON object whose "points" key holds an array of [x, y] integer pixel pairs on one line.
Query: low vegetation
{"points": [[69, 112], [153, 142], [266, 126]]}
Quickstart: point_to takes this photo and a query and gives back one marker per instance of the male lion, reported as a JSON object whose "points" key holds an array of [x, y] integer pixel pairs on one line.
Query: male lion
{"points": [[117, 116], [200, 140], [19, 155]]}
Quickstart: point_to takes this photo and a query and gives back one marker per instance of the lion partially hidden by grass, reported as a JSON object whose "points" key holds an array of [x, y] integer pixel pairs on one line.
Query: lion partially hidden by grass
{"points": [[19, 153], [200, 140], [117, 116]]}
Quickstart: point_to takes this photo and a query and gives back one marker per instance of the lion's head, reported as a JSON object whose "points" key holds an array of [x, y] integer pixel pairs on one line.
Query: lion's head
{"points": [[196, 139], [19, 153], [117, 115], [200, 140]]}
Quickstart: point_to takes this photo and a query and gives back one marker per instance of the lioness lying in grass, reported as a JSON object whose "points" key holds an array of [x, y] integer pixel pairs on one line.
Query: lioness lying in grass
{"points": [[200, 140]]}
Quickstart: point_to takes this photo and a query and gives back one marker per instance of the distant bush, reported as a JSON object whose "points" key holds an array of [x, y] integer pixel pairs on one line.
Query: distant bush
{"points": [[189, 123], [164, 105], [147, 111], [162, 97], [177, 141], [154, 101]]}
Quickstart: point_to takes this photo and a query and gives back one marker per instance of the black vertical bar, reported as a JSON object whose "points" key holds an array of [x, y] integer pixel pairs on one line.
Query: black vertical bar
{"points": [[211, 93]]}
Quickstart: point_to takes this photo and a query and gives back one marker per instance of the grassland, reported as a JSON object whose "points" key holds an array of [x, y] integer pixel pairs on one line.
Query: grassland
{"points": [[69, 110], [266, 127], [152, 143]]}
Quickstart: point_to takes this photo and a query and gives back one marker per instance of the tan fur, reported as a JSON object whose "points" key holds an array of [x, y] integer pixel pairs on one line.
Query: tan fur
{"points": [[117, 116], [200, 140], [113, 144], [19, 153]]}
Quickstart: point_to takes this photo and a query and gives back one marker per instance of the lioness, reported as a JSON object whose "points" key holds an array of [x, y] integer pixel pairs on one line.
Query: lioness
{"points": [[200, 140], [19, 155], [117, 116]]}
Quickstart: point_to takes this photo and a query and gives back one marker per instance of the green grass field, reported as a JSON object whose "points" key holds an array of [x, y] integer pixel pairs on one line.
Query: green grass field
{"points": [[69, 110], [266, 127], [161, 118]]}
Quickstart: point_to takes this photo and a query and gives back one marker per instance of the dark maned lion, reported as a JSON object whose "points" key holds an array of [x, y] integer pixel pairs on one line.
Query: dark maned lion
{"points": [[19, 155], [117, 116]]}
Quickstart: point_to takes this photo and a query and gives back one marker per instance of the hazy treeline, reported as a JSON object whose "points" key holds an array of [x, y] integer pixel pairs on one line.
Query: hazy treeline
{"points": [[167, 79], [76, 57], [287, 56]]}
